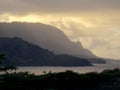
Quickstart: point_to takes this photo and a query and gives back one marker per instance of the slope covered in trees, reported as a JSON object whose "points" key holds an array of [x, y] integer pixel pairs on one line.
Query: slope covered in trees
{"points": [[21, 53]]}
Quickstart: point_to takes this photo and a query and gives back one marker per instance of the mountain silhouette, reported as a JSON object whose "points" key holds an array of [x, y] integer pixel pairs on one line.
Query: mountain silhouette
{"points": [[47, 37], [21, 53]]}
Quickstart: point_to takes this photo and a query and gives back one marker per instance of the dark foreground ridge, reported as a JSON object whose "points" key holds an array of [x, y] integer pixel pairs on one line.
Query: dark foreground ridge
{"points": [[22, 53], [106, 80]]}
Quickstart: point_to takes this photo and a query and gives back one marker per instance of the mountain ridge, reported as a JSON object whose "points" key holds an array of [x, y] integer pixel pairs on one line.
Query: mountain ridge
{"points": [[21, 53], [47, 37]]}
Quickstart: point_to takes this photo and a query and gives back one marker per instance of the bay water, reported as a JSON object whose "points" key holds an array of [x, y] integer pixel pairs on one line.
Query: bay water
{"points": [[38, 70]]}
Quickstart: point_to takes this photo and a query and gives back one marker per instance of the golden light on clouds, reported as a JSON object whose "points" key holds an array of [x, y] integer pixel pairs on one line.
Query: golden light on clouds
{"points": [[96, 23], [99, 33]]}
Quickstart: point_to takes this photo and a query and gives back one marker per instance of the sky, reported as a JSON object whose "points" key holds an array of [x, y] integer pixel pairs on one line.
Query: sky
{"points": [[95, 23]]}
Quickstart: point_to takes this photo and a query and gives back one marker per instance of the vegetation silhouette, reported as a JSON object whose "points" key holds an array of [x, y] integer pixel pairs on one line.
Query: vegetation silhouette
{"points": [[6, 68], [68, 80], [2, 56]]}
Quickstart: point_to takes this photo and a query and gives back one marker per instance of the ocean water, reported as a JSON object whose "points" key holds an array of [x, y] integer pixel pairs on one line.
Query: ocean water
{"points": [[96, 68]]}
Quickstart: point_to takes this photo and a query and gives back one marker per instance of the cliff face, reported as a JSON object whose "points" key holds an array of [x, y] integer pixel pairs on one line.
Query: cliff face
{"points": [[46, 36]]}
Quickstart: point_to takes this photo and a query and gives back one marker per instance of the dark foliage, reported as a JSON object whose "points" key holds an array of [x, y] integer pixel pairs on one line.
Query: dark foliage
{"points": [[107, 80], [8, 68], [2, 56]]}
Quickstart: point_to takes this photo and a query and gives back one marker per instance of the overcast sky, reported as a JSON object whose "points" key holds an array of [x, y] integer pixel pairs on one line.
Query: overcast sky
{"points": [[96, 23], [57, 6]]}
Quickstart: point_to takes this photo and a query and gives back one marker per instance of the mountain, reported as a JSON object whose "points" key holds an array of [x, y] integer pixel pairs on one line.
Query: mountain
{"points": [[21, 53], [47, 37]]}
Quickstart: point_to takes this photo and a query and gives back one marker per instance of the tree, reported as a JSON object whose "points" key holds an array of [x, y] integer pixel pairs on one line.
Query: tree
{"points": [[6, 68], [2, 57]]}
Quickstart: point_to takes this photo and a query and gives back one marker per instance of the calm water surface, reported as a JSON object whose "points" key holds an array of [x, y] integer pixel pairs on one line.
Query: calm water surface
{"points": [[95, 68]]}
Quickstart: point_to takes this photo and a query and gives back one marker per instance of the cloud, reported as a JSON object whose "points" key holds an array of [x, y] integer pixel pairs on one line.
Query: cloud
{"points": [[4, 18], [96, 23], [57, 6], [101, 37]]}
